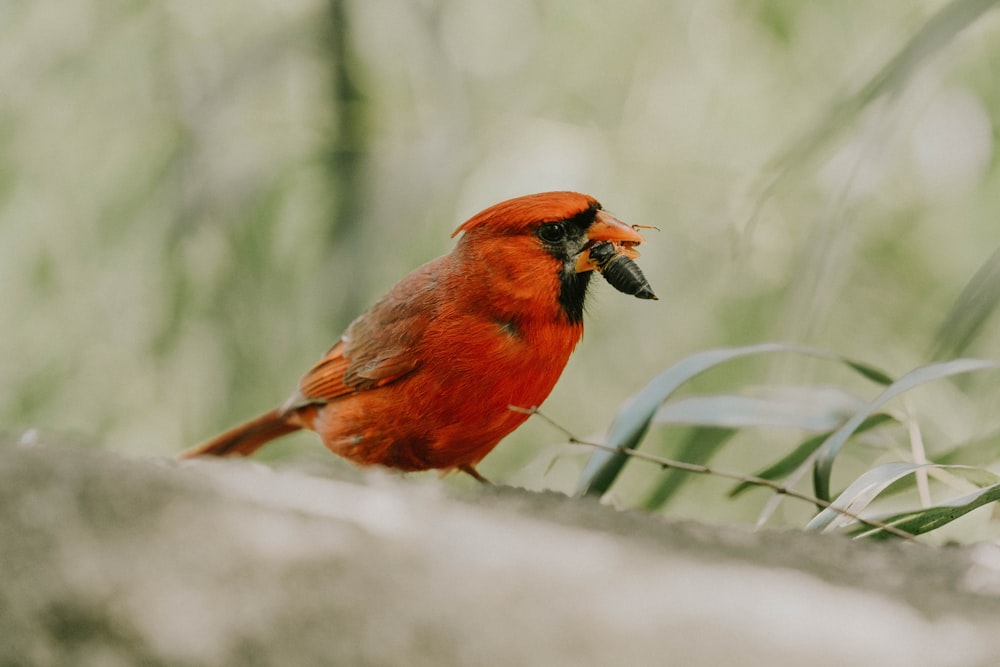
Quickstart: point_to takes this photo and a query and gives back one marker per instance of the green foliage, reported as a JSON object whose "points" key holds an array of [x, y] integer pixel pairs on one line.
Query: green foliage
{"points": [[924, 520], [632, 422], [784, 467], [828, 451], [720, 416]]}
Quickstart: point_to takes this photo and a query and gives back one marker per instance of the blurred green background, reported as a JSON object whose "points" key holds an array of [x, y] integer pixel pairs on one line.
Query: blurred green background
{"points": [[196, 198]]}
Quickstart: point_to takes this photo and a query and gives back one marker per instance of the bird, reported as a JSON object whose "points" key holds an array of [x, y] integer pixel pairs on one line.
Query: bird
{"points": [[427, 377]]}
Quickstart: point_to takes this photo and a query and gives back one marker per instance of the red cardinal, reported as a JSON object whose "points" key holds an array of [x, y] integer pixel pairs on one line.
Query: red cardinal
{"points": [[425, 378]]}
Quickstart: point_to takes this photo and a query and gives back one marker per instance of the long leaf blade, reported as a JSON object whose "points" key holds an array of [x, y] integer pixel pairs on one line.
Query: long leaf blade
{"points": [[700, 445], [807, 408], [925, 520], [633, 420], [856, 497], [861, 492], [788, 463], [828, 451]]}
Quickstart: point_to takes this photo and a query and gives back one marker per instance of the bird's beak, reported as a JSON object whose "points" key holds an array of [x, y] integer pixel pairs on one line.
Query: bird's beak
{"points": [[606, 227]]}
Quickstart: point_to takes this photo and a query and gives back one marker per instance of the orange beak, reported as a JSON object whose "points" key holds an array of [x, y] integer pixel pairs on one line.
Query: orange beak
{"points": [[606, 227]]}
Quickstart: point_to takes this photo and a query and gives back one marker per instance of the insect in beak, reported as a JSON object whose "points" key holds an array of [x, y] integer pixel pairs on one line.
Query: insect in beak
{"points": [[614, 261]]}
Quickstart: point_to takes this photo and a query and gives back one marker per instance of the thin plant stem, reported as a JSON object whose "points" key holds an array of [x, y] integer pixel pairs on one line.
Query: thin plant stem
{"points": [[666, 463]]}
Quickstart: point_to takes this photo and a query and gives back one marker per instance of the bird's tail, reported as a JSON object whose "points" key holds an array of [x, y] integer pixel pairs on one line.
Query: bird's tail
{"points": [[245, 439]]}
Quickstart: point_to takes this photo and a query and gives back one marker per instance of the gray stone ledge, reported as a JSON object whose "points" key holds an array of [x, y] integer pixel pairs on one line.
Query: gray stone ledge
{"points": [[109, 561]]}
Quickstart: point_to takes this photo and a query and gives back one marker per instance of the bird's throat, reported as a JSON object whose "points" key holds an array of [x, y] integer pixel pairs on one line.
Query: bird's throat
{"points": [[573, 293]]}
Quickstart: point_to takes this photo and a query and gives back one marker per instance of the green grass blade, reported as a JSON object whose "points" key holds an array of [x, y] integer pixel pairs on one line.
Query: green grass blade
{"points": [[861, 492], [807, 408], [632, 421], [971, 310], [699, 447], [874, 374], [828, 451], [923, 521], [787, 464]]}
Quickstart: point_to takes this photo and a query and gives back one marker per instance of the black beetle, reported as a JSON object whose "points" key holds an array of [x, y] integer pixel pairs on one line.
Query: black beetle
{"points": [[620, 271]]}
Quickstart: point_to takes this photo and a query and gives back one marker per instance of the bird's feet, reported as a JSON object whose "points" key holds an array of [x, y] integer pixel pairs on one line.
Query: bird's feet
{"points": [[470, 470]]}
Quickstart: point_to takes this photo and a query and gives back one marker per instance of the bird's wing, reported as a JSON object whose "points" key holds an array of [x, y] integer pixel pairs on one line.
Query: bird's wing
{"points": [[379, 347]]}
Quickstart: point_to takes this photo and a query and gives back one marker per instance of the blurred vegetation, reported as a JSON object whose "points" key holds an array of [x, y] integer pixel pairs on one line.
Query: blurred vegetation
{"points": [[196, 198]]}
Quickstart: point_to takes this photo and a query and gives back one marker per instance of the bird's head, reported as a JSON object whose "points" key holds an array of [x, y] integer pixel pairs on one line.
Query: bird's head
{"points": [[527, 239]]}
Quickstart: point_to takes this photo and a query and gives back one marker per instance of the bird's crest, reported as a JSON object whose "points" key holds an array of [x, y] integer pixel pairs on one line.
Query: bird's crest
{"points": [[522, 213]]}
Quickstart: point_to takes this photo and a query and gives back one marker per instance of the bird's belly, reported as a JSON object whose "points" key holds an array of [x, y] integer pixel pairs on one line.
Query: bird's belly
{"points": [[449, 412]]}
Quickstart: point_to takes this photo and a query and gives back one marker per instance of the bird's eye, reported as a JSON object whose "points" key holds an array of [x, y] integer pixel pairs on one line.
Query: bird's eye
{"points": [[552, 232]]}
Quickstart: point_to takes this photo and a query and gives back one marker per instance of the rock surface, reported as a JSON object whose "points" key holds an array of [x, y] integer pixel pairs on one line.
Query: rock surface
{"points": [[110, 561]]}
